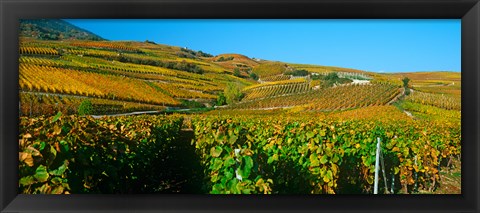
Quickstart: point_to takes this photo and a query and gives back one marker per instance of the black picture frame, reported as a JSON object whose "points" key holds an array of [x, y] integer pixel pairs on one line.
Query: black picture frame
{"points": [[13, 10]]}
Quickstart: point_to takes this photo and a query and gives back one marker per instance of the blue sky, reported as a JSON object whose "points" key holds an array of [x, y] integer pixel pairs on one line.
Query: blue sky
{"points": [[372, 45]]}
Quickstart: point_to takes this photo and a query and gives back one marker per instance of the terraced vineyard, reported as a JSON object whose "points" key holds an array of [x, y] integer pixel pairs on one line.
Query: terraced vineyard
{"points": [[123, 46], [276, 78], [119, 72], [38, 50], [225, 124], [276, 88], [155, 75], [336, 98], [41, 103], [443, 101], [269, 69], [66, 81]]}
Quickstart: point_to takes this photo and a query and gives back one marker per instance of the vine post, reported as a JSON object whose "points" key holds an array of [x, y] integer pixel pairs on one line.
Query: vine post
{"points": [[377, 167]]}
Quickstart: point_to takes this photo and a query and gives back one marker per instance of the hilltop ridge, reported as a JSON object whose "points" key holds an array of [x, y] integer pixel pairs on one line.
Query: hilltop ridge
{"points": [[54, 29]]}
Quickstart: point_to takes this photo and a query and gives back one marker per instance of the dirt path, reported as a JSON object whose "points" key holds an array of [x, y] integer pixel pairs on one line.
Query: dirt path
{"points": [[396, 98], [55, 94], [436, 85], [187, 164], [185, 173], [402, 94], [125, 114]]}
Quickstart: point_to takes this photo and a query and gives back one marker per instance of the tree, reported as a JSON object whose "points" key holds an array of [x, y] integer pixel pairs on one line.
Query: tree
{"points": [[85, 108], [233, 93], [405, 85], [405, 82], [254, 76], [297, 72], [333, 76], [330, 79], [150, 42], [236, 72], [221, 100]]}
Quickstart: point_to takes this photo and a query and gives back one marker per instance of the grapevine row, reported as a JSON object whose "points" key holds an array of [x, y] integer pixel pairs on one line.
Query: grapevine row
{"points": [[66, 81], [275, 78], [38, 51], [276, 90], [48, 104], [66, 154], [334, 98], [106, 45], [296, 154], [437, 100], [178, 92]]}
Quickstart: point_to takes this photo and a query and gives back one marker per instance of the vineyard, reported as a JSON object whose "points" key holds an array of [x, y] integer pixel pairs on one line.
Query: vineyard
{"points": [[276, 78], [37, 104], [431, 112], [65, 81], [105, 45], [258, 154], [275, 89], [38, 50], [151, 76], [448, 102], [66, 154], [341, 97], [269, 69], [160, 76], [284, 153]]}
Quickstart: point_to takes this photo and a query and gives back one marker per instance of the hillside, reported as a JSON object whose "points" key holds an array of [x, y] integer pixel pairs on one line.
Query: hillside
{"points": [[151, 76], [125, 76], [225, 124], [147, 75], [448, 83], [54, 29]]}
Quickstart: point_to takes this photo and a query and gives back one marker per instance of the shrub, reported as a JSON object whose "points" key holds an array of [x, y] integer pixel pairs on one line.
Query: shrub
{"points": [[192, 104], [225, 59], [221, 100], [85, 107], [254, 76], [405, 81], [298, 73], [405, 85], [233, 93], [236, 72]]}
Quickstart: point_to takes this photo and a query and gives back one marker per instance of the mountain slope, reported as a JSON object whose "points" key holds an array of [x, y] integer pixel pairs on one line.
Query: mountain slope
{"points": [[120, 76], [54, 29]]}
